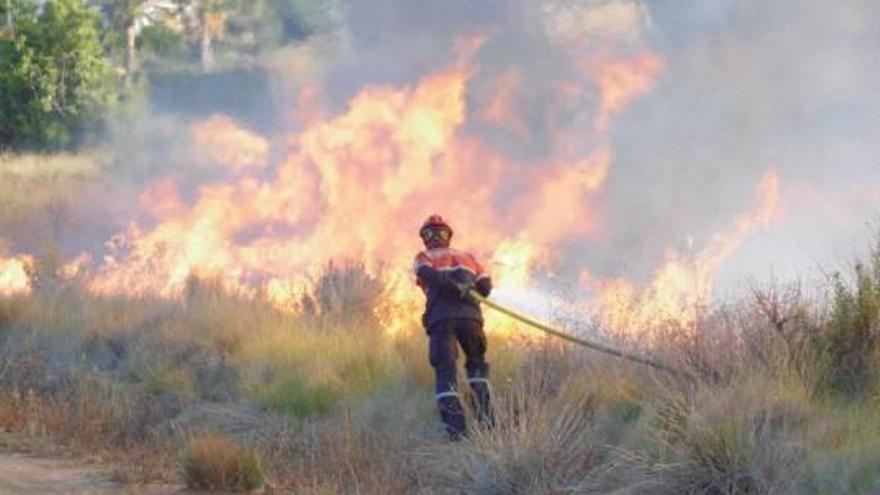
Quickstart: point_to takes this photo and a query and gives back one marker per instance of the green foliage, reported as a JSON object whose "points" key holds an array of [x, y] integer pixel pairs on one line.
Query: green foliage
{"points": [[20, 9], [850, 336], [844, 457], [296, 397], [54, 83], [161, 41], [302, 389], [127, 22], [303, 18], [260, 26]]}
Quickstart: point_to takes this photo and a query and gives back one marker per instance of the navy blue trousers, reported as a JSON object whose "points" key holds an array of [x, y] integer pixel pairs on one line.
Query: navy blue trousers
{"points": [[445, 338]]}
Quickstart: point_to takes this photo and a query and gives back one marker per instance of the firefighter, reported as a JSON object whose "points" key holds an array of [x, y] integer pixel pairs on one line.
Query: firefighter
{"points": [[452, 318]]}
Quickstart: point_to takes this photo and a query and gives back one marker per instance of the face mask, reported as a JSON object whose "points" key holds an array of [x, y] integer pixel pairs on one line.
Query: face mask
{"points": [[436, 234]]}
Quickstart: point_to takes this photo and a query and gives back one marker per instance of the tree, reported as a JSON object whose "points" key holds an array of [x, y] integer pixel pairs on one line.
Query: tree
{"points": [[130, 17], [303, 18], [209, 19], [12, 9], [54, 84], [9, 13]]}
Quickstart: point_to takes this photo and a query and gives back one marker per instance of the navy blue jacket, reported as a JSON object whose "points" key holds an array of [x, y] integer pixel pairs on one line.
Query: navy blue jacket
{"points": [[438, 271]]}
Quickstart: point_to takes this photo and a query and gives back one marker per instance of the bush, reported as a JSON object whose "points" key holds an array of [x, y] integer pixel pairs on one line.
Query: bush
{"points": [[738, 440], [54, 83], [293, 396], [850, 337], [160, 40], [542, 444], [844, 457], [212, 462]]}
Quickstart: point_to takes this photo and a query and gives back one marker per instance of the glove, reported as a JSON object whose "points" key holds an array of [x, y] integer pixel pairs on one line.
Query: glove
{"points": [[463, 288]]}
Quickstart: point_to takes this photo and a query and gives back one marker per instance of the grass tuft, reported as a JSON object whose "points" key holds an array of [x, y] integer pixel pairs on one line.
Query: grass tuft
{"points": [[212, 462], [541, 444]]}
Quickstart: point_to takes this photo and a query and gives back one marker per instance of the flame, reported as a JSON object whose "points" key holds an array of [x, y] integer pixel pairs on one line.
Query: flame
{"points": [[681, 287], [513, 263], [336, 195], [560, 211], [229, 145], [620, 81], [356, 185], [500, 109], [14, 278]]}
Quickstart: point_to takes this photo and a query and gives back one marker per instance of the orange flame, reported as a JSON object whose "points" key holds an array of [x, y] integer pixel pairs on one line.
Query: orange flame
{"points": [[620, 81], [229, 145], [14, 279], [681, 287], [500, 110], [357, 185]]}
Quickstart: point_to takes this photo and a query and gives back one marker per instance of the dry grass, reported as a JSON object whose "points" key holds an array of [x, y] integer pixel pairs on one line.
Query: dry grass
{"points": [[45, 195], [40, 166], [212, 462], [541, 445], [331, 405], [740, 439]]}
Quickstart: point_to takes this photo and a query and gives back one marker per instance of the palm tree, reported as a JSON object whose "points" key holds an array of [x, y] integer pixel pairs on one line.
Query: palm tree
{"points": [[211, 21], [131, 17], [207, 22]]}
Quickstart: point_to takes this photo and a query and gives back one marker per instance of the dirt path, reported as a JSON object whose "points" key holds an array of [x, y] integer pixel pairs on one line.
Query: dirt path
{"points": [[23, 474]]}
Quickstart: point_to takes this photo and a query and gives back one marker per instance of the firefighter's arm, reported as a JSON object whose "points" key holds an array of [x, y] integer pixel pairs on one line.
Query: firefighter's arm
{"points": [[428, 276], [483, 283]]}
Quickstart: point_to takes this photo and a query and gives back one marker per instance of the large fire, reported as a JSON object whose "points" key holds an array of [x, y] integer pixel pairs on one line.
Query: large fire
{"points": [[356, 185]]}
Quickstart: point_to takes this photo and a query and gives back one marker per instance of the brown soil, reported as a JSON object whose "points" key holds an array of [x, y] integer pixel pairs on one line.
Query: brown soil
{"points": [[24, 474]]}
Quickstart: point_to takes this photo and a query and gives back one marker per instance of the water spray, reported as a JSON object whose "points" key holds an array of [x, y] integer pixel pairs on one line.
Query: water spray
{"points": [[629, 356]]}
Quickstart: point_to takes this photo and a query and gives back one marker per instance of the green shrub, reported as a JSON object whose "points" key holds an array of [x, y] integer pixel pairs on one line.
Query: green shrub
{"points": [[55, 85], [739, 440], [158, 39], [212, 462], [850, 336], [295, 396]]}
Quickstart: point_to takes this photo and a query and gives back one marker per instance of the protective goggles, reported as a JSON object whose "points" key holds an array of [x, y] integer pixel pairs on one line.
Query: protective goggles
{"points": [[436, 233]]}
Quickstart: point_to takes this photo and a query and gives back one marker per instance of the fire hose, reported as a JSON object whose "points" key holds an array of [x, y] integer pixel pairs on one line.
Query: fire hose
{"points": [[629, 356]]}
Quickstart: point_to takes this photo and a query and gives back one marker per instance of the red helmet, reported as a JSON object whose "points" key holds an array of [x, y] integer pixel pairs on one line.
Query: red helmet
{"points": [[435, 225]]}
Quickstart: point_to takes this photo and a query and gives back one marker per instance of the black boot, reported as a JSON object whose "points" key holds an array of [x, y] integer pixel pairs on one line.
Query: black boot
{"points": [[481, 397], [452, 415]]}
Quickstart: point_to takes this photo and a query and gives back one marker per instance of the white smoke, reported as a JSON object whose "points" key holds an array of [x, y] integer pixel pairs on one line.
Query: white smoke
{"points": [[570, 22]]}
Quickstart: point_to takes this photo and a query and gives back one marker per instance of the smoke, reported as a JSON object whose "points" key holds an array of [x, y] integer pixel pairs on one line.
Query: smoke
{"points": [[751, 85], [747, 86], [590, 140]]}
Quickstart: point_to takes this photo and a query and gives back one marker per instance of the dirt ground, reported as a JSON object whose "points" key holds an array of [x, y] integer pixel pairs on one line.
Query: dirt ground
{"points": [[26, 474]]}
